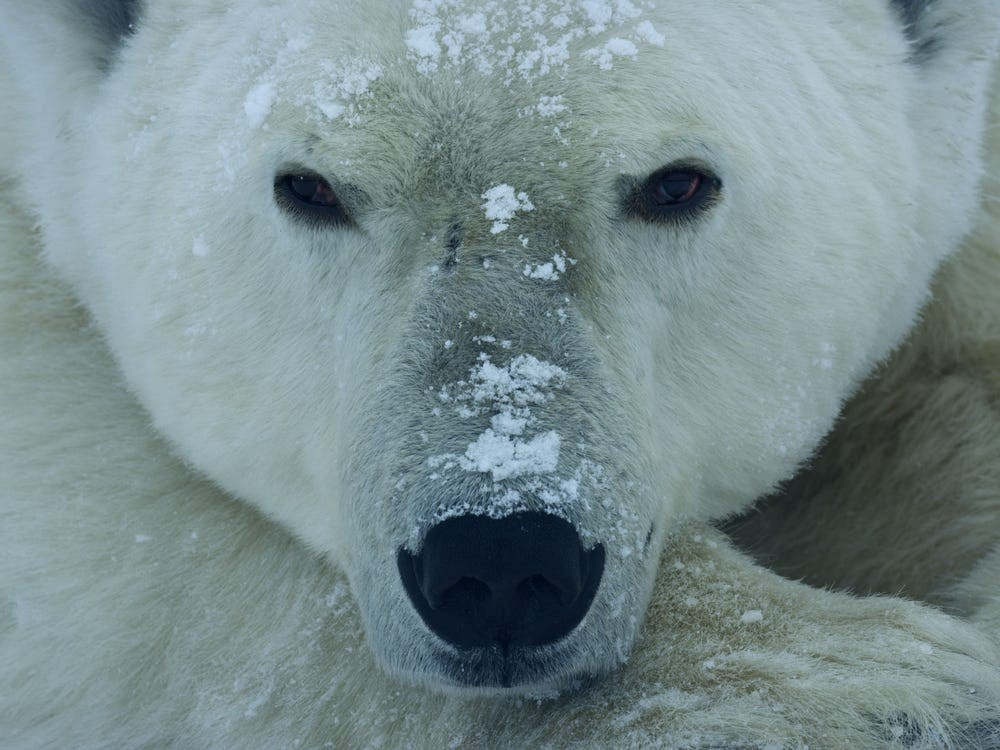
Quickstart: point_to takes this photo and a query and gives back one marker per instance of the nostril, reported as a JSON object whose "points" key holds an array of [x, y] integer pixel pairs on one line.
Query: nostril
{"points": [[467, 592], [523, 580], [538, 587]]}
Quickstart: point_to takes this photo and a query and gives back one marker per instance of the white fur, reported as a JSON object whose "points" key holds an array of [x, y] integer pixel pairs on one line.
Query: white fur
{"points": [[185, 583]]}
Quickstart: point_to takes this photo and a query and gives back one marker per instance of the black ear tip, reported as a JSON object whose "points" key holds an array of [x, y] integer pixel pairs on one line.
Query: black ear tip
{"points": [[922, 35], [109, 22], [911, 11]]}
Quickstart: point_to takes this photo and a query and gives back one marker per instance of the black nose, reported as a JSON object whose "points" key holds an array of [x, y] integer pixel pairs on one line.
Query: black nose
{"points": [[521, 580]]}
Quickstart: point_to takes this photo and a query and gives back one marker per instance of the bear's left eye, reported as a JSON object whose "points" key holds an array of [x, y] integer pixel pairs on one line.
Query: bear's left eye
{"points": [[310, 196]]}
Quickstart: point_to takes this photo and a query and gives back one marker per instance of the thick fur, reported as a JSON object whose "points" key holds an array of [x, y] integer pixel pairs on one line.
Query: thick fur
{"points": [[218, 420]]}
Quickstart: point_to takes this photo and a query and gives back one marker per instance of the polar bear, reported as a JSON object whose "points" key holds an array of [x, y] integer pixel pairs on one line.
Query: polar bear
{"points": [[445, 374]]}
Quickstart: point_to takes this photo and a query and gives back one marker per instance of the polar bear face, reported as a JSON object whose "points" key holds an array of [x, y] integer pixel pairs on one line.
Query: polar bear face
{"points": [[383, 271]]}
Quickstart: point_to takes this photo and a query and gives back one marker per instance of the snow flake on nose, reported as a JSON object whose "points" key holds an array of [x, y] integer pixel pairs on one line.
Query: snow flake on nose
{"points": [[549, 271], [501, 204], [508, 392]]}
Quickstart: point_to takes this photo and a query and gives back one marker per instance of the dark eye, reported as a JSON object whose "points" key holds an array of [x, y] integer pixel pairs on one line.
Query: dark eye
{"points": [[310, 196], [674, 193]]}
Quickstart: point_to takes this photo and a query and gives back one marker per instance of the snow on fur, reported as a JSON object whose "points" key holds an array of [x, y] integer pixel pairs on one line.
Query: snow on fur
{"points": [[526, 39], [218, 412]]}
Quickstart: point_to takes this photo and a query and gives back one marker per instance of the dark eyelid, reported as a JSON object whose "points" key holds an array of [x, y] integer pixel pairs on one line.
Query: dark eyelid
{"points": [[636, 192], [318, 214]]}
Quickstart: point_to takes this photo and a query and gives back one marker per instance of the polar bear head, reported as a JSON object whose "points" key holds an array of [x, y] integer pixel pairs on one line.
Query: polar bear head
{"points": [[479, 299]]}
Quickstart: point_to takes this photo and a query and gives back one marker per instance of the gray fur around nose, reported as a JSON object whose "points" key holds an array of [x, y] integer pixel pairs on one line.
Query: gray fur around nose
{"points": [[523, 580]]}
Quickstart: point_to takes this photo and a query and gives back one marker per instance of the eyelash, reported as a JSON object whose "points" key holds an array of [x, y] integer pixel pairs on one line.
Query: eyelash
{"points": [[291, 191], [651, 201]]}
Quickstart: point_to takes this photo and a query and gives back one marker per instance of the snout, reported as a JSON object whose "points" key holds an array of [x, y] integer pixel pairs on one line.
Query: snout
{"points": [[520, 581]]}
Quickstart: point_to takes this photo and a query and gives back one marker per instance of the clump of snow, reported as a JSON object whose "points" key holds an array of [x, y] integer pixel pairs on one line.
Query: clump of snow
{"points": [[615, 47], [258, 103], [508, 449], [548, 271], [524, 39], [199, 247], [501, 204], [422, 42], [524, 380], [331, 109], [751, 616], [341, 87], [507, 392], [338, 86], [503, 456], [648, 33], [550, 106], [142, 538]]}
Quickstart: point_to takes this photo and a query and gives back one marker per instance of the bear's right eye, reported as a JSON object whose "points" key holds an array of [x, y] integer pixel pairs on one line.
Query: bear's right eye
{"points": [[674, 193], [311, 197]]}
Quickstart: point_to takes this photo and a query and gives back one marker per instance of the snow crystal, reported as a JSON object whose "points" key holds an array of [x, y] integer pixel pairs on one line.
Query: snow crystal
{"points": [[258, 103], [648, 33], [527, 39], [504, 457], [506, 391], [616, 47], [542, 271], [571, 487], [549, 106], [520, 382], [422, 41], [751, 616], [340, 87], [331, 110], [548, 271], [501, 204]]}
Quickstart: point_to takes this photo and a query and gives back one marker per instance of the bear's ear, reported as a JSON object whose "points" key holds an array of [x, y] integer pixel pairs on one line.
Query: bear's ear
{"points": [[918, 27], [937, 26], [106, 22], [953, 47]]}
